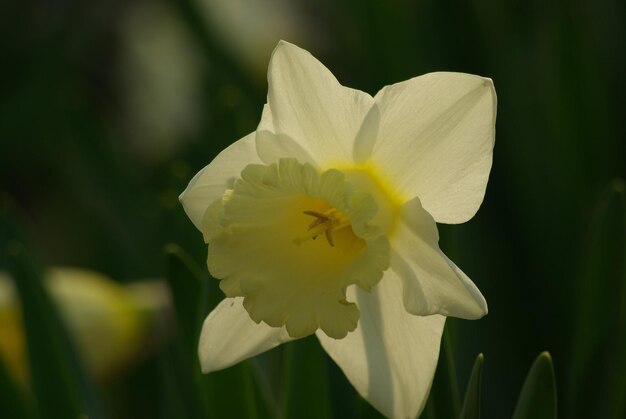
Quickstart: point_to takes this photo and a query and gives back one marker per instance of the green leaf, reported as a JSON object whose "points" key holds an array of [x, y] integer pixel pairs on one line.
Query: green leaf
{"points": [[444, 400], [366, 411], [471, 402], [305, 387], [12, 402], [234, 392], [184, 391], [537, 399], [597, 373], [188, 286], [60, 385], [237, 393]]}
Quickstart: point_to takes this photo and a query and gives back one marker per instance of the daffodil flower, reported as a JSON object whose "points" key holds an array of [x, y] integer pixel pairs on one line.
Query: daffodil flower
{"points": [[323, 221]]}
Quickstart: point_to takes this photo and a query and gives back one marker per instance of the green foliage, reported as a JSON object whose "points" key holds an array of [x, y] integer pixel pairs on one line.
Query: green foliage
{"points": [[444, 401], [600, 335], [189, 287], [12, 401], [60, 386], [184, 395], [537, 399], [306, 391], [187, 392], [471, 402]]}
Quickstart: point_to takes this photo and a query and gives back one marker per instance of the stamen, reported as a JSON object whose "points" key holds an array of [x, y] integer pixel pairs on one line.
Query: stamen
{"points": [[326, 223], [329, 237]]}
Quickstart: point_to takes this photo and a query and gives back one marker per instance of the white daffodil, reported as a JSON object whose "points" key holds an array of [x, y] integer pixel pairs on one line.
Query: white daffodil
{"points": [[323, 221]]}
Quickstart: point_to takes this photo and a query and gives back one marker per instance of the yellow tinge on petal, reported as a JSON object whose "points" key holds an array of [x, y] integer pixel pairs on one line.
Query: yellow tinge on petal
{"points": [[290, 239], [368, 178]]}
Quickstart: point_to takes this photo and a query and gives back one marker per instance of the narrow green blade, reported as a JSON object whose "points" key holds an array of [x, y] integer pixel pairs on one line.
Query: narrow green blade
{"points": [[537, 399], [237, 392], [444, 400], [12, 401], [471, 402], [234, 392], [597, 372], [184, 393], [60, 385], [188, 286], [305, 387]]}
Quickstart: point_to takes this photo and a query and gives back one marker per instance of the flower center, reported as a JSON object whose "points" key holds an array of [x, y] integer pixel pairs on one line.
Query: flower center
{"points": [[325, 223], [262, 246]]}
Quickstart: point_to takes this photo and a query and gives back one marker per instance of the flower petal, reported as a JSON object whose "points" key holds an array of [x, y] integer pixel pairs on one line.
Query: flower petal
{"points": [[432, 283], [229, 335], [272, 147], [391, 357], [309, 106], [435, 140], [211, 182]]}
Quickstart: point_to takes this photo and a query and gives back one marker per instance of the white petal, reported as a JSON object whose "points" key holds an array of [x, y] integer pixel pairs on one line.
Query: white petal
{"points": [[391, 357], [435, 140], [229, 335], [271, 146], [310, 107], [211, 182], [433, 284]]}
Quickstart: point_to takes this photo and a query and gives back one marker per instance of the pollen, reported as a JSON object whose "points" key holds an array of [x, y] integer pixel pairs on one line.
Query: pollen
{"points": [[323, 223]]}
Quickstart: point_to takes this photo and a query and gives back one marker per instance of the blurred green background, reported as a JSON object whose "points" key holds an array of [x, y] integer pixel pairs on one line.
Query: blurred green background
{"points": [[107, 109]]}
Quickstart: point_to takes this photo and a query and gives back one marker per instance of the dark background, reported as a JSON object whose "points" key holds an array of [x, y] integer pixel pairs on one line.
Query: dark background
{"points": [[107, 109]]}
